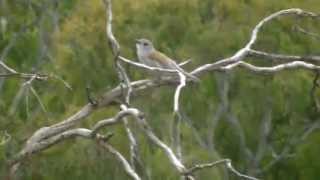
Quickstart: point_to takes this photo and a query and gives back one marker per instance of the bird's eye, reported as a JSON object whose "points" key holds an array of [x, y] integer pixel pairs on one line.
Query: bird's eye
{"points": [[145, 44]]}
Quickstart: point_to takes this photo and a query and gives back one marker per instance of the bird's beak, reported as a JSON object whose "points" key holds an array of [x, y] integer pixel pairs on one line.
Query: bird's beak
{"points": [[137, 41]]}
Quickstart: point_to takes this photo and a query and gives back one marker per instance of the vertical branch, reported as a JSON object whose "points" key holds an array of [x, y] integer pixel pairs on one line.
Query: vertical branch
{"points": [[134, 156], [176, 124], [178, 92], [34, 92], [176, 135], [16, 100], [125, 83], [223, 91], [115, 46], [134, 149], [230, 116], [265, 130]]}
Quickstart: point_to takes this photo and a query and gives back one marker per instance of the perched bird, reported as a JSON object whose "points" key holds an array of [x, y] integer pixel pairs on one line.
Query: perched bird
{"points": [[149, 56]]}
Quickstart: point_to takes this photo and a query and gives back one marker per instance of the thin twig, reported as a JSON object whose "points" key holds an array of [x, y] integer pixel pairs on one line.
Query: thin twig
{"points": [[228, 164], [34, 92], [312, 34]]}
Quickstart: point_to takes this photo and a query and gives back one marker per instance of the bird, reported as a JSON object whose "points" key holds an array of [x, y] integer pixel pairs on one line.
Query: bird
{"points": [[149, 56]]}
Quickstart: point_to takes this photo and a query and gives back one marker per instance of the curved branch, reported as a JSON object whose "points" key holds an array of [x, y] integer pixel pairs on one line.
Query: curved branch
{"points": [[256, 29], [242, 53]]}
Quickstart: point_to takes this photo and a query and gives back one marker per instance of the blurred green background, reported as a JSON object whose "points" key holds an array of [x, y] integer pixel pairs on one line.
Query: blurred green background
{"points": [[224, 116]]}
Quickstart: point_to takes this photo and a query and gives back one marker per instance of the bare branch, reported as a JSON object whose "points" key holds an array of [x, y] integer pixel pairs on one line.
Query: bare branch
{"points": [[134, 154], [123, 77], [116, 119], [198, 167], [154, 69], [128, 169], [3, 65], [169, 153], [41, 140], [242, 53], [312, 34], [178, 91], [65, 83], [226, 162], [231, 168], [80, 132], [273, 69], [149, 133], [34, 92], [256, 30], [112, 40], [294, 140], [281, 57]]}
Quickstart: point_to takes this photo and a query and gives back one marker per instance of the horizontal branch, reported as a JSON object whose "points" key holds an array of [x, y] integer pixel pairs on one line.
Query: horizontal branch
{"points": [[198, 167], [282, 57], [273, 69], [149, 68]]}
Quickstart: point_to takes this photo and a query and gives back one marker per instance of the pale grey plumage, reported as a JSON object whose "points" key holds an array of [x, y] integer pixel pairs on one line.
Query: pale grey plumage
{"points": [[148, 55]]}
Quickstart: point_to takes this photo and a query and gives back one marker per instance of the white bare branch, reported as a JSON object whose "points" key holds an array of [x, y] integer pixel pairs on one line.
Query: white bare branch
{"points": [[123, 77], [244, 52], [282, 57], [273, 69], [258, 27], [226, 162], [134, 155], [149, 68], [178, 91], [128, 169]]}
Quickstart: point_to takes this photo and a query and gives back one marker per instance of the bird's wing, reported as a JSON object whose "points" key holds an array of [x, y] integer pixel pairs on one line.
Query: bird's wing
{"points": [[168, 63], [161, 59]]}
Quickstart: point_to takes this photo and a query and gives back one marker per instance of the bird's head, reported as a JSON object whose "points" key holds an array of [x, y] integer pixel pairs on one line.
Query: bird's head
{"points": [[144, 46]]}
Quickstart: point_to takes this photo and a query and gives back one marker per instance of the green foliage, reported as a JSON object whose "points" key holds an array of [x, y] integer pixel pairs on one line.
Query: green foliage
{"points": [[75, 48]]}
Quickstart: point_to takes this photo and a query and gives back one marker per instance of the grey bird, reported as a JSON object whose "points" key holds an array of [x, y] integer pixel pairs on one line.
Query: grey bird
{"points": [[149, 56]]}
